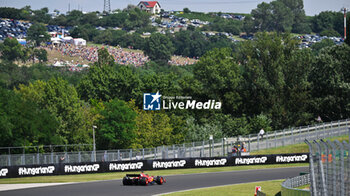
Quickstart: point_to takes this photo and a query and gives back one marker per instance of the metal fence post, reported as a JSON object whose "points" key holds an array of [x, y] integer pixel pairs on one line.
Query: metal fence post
{"points": [[342, 184], [347, 186], [174, 151], [293, 139], [326, 159], [194, 149], [333, 167], [52, 161], [323, 182], [249, 141], [332, 131], [267, 140], [324, 131], [223, 147], [275, 140], [313, 189], [203, 149], [191, 151], [346, 122], [258, 140], [155, 153], [184, 147]]}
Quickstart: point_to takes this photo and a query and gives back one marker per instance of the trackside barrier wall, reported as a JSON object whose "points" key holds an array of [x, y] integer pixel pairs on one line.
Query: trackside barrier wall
{"points": [[218, 147], [119, 166], [289, 186]]}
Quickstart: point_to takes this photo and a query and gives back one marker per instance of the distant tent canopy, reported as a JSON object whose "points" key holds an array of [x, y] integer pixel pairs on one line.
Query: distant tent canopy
{"points": [[55, 40], [22, 41], [79, 42]]}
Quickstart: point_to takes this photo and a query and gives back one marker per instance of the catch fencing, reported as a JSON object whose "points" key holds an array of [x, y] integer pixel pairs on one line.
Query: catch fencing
{"points": [[209, 148], [329, 168]]}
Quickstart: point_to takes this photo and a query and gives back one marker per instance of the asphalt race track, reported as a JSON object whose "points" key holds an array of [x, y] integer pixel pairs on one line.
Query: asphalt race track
{"points": [[174, 183]]}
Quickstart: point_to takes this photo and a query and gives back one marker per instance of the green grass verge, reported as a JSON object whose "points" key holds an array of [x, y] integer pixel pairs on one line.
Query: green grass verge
{"points": [[272, 187], [119, 175], [296, 148]]}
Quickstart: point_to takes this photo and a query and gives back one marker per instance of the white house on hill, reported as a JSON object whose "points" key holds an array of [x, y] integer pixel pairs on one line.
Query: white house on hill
{"points": [[150, 6]]}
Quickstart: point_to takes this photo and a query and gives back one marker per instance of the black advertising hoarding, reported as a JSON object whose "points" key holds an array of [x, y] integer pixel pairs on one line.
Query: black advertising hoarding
{"points": [[139, 165]]}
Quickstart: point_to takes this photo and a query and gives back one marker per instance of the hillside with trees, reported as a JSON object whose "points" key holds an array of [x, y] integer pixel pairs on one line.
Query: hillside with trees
{"points": [[267, 82]]}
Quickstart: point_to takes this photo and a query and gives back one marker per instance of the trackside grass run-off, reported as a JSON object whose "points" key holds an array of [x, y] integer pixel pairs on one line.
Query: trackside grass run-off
{"points": [[271, 188], [120, 175]]}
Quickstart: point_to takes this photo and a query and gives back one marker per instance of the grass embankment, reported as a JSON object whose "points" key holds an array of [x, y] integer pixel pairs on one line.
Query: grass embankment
{"points": [[296, 148], [272, 187], [119, 175]]}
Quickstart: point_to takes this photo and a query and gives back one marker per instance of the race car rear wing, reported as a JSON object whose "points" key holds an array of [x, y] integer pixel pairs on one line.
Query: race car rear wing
{"points": [[132, 175]]}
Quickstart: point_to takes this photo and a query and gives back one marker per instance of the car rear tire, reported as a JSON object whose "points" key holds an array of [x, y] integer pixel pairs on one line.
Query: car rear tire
{"points": [[159, 180], [126, 181], [143, 181]]}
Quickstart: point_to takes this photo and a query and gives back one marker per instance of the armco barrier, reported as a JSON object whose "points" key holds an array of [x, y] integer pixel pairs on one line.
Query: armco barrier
{"points": [[289, 186], [135, 165]]}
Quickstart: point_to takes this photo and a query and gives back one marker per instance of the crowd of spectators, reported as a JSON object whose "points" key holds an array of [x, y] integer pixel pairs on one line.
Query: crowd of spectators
{"points": [[90, 53], [121, 56]]}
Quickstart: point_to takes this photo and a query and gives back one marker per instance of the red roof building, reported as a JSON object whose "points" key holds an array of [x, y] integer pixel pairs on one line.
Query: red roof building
{"points": [[150, 6]]}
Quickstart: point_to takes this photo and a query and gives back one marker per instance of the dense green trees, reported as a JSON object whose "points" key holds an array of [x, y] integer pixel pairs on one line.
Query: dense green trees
{"points": [[220, 77], [275, 76], [87, 32], [62, 101], [23, 123], [159, 47], [37, 33], [228, 26], [330, 82], [11, 50], [152, 128], [328, 23], [279, 15], [268, 82], [116, 126], [195, 44], [108, 82]]}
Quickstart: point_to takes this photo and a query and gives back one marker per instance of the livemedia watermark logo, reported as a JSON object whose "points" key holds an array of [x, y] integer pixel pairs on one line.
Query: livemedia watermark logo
{"points": [[152, 101]]}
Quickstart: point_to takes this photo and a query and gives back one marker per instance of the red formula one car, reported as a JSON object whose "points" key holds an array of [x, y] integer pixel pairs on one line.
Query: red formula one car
{"points": [[142, 179]]}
